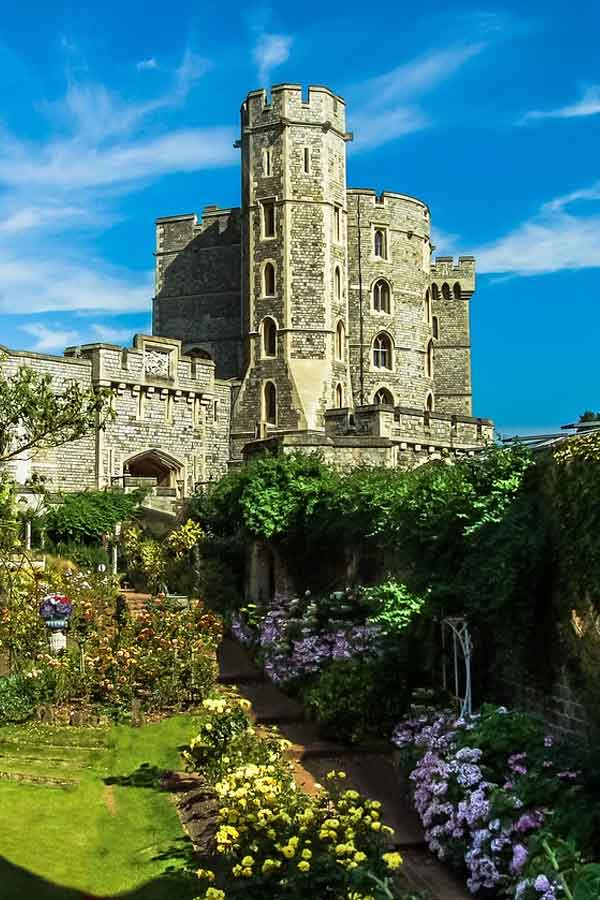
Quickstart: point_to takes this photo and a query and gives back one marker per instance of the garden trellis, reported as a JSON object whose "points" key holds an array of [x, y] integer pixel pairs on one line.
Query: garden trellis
{"points": [[462, 648]]}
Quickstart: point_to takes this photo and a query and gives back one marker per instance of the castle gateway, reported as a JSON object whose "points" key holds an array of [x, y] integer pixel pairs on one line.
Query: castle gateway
{"points": [[312, 317]]}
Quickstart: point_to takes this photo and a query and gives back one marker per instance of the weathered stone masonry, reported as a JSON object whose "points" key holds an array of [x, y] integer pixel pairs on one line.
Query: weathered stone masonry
{"points": [[312, 317]]}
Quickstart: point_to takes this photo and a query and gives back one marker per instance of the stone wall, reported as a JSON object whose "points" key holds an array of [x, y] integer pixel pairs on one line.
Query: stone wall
{"points": [[197, 295], [404, 268], [163, 401], [69, 467]]}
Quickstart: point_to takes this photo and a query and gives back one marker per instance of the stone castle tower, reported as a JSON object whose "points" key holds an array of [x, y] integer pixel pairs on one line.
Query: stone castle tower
{"points": [[320, 303]]}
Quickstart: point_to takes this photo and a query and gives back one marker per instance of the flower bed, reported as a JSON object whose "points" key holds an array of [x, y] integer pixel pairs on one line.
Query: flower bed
{"points": [[273, 840], [499, 800], [318, 646]]}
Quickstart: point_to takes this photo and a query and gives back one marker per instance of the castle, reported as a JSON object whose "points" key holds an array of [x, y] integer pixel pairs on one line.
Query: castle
{"points": [[310, 318]]}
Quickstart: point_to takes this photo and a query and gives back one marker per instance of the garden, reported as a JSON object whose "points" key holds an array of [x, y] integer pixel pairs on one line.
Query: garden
{"points": [[110, 709]]}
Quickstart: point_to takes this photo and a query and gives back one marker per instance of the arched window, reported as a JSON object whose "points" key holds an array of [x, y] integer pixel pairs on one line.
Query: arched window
{"points": [[383, 397], [445, 291], [456, 291], [269, 280], [379, 248], [427, 307], [270, 403], [269, 337], [435, 292], [429, 363], [435, 328], [198, 353], [429, 402], [337, 282], [382, 352], [339, 341], [339, 396], [381, 296]]}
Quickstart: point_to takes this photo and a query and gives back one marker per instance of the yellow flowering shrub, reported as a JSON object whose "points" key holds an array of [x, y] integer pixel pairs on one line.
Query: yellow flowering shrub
{"points": [[273, 840]]}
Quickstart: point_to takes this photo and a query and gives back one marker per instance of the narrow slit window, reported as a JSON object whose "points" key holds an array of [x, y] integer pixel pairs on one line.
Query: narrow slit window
{"points": [[379, 247], [269, 337], [429, 362], [339, 396], [435, 328], [306, 161], [269, 280], [268, 219], [339, 341], [337, 223], [270, 403], [337, 283], [268, 162]]}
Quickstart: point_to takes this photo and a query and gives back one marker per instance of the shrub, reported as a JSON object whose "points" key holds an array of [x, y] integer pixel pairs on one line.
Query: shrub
{"points": [[17, 703], [85, 516], [356, 698]]}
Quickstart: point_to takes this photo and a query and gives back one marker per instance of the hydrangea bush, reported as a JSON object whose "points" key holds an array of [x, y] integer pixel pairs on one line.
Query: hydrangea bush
{"points": [[488, 792]]}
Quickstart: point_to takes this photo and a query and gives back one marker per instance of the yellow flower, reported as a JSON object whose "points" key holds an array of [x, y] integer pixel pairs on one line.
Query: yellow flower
{"points": [[214, 894], [288, 852], [248, 861], [270, 864], [375, 826], [303, 866], [359, 856], [306, 854], [247, 872], [392, 860], [205, 873], [245, 704]]}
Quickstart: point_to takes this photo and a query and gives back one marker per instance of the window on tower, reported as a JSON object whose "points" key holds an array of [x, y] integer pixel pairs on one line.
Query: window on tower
{"points": [[306, 161], [435, 292], [268, 210], [337, 278], [383, 397], [337, 223], [269, 280], [427, 309], [456, 291], [270, 403], [381, 296], [429, 361], [382, 352], [435, 328], [268, 161], [339, 341], [339, 396], [379, 243], [445, 291], [269, 337]]}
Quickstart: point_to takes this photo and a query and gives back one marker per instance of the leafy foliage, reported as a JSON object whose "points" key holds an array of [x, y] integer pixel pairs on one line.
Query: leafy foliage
{"points": [[85, 516], [34, 416]]}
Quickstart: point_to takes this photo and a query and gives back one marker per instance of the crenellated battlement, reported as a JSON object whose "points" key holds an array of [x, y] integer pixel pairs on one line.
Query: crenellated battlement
{"points": [[384, 198], [445, 272], [288, 105]]}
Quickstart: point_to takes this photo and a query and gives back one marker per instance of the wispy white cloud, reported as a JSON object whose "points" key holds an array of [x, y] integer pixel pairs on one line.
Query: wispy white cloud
{"points": [[553, 240], [43, 282], [53, 339], [145, 65], [49, 340], [270, 51], [387, 106], [99, 146], [587, 105]]}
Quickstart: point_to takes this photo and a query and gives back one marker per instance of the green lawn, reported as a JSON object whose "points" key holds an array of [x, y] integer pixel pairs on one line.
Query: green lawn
{"points": [[91, 838]]}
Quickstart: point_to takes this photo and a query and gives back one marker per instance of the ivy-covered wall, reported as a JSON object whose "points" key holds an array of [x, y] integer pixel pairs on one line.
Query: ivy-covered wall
{"points": [[509, 540]]}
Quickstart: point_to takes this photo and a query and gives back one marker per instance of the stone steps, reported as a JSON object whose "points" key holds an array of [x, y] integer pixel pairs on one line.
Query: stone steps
{"points": [[39, 780]]}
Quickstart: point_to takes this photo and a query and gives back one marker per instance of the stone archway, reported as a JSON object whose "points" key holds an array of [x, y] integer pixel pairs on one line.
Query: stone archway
{"points": [[154, 465]]}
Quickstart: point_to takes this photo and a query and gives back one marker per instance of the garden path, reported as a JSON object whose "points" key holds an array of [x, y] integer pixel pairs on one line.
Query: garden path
{"points": [[369, 769]]}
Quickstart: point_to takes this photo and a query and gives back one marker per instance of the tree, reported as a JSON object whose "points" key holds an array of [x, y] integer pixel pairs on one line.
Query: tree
{"points": [[589, 416], [33, 416]]}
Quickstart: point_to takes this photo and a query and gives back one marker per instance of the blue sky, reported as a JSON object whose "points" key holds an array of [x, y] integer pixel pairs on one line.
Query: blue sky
{"points": [[115, 114]]}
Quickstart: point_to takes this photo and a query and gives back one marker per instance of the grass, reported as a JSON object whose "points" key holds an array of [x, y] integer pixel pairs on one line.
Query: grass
{"points": [[104, 835]]}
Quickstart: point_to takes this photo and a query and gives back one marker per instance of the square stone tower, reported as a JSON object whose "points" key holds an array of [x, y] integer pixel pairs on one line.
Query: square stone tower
{"points": [[294, 261]]}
